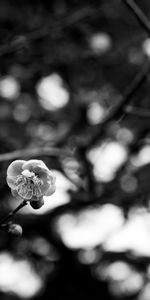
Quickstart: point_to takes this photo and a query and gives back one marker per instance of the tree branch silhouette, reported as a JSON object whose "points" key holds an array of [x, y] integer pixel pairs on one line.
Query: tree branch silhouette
{"points": [[140, 16]]}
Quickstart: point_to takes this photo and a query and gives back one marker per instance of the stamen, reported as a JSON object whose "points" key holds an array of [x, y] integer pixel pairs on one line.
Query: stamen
{"points": [[28, 186], [28, 174]]}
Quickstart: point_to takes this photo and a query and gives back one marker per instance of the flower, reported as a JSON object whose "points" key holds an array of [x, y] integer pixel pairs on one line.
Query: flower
{"points": [[30, 180]]}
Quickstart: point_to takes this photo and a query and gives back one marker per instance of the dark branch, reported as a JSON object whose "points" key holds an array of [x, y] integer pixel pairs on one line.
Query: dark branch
{"points": [[140, 16], [12, 213], [119, 110]]}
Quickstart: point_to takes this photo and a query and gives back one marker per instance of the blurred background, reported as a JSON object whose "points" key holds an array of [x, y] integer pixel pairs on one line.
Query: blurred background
{"points": [[75, 92]]}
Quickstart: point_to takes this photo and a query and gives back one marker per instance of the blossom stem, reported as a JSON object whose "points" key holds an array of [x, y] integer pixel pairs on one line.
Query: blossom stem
{"points": [[12, 213]]}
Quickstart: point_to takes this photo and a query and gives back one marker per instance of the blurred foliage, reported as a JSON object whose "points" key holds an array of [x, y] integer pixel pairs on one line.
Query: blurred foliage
{"points": [[92, 51]]}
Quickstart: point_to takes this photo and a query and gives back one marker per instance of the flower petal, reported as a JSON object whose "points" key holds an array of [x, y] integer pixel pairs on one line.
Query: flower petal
{"points": [[33, 163], [15, 194], [51, 190], [15, 168], [11, 181], [48, 179]]}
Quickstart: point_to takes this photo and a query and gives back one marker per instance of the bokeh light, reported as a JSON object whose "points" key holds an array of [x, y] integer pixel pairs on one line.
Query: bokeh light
{"points": [[131, 285], [146, 47], [136, 56], [52, 93], [100, 43], [42, 247], [95, 113], [18, 277], [142, 158], [145, 293], [125, 135], [106, 159], [128, 183], [89, 256], [89, 227], [9, 87], [22, 113], [123, 280], [132, 236]]}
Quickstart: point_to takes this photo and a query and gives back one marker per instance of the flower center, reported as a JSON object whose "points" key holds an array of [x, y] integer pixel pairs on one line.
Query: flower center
{"points": [[28, 185]]}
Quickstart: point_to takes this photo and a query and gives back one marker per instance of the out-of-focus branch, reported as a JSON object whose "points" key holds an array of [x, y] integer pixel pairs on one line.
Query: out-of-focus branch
{"points": [[56, 25], [34, 152], [119, 110], [137, 111], [140, 16]]}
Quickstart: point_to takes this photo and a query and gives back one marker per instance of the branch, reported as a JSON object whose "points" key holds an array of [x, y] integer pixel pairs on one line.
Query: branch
{"points": [[119, 110], [57, 25], [130, 91], [12, 213], [138, 111], [140, 16], [34, 152]]}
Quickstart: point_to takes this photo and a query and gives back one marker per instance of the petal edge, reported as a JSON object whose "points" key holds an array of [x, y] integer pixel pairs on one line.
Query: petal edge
{"points": [[15, 168]]}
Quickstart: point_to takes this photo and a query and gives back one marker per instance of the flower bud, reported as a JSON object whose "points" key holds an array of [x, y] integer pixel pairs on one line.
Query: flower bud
{"points": [[37, 204], [15, 230]]}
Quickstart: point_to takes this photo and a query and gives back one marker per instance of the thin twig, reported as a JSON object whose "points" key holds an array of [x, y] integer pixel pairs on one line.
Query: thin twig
{"points": [[140, 16], [137, 111], [12, 213], [130, 91], [119, 109], [45, 31], [65, 22], [34, 152]]}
